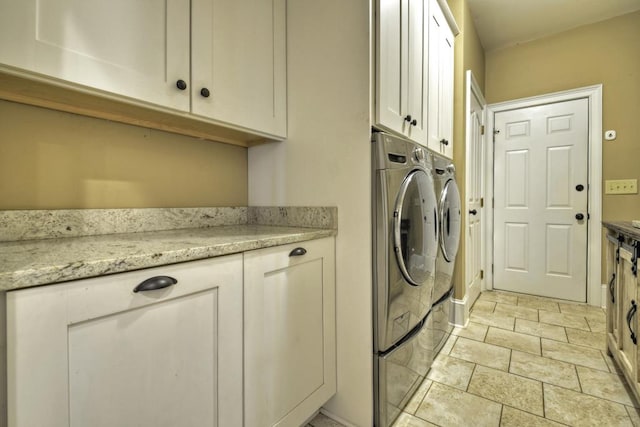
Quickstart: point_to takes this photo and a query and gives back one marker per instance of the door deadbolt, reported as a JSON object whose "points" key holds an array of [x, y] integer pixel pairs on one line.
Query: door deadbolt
{"points": [[579, 187]]}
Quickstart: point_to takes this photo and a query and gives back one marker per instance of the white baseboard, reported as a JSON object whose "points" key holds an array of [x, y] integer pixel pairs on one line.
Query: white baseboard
{"points": [[459, 312], [336, 418]]}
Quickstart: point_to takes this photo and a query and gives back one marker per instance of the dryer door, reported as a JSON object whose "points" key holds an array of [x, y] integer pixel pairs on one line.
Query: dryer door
{"points": [[415, 228], [450, 220]]}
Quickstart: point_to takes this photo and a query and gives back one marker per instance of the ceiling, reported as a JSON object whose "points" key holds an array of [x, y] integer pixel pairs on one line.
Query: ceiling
{"points": [[502, 23]]}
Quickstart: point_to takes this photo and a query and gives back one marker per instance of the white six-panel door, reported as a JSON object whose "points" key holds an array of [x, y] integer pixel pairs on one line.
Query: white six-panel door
{"points": [[540, 160]]}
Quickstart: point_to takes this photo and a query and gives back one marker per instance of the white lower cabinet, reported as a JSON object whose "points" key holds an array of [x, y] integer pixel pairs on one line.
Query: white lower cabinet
{"points": [[289, 320], [96, 353]]}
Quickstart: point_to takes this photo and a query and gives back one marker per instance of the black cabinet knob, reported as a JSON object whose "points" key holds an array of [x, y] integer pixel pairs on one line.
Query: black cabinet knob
{"points": [[181, 84], [444, 141], [414, 122], [205, 92], [579, 217], [579, 187], [408, 118], [473, 212]]}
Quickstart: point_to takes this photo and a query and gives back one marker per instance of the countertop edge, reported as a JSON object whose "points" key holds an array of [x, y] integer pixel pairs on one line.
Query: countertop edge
{"points": [[623, 227], [135, 260]]}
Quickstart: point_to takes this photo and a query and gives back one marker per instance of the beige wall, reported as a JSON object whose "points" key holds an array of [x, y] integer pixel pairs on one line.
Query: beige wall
{"points": [[469, 55], [56, 160], [607, 52]]}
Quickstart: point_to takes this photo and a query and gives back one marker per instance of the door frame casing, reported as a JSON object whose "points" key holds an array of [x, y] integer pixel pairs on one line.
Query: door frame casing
{"points": [[594, 236], [462, 307]]}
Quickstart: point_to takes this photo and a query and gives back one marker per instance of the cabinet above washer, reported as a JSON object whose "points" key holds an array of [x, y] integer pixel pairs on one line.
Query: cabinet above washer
{"points": [[414, 71]]}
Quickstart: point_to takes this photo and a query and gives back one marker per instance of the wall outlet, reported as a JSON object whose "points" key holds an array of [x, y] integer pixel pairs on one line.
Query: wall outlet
{"points": [[621, 186]]}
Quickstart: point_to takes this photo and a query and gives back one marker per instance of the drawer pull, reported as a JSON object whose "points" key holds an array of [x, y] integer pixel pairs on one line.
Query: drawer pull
{"points": [[632, 311], [298, 252], [157, 282], [611, 288]]}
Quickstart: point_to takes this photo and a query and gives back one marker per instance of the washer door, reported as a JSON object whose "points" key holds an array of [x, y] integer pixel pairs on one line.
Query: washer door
{"points": [[415, 228], [450, 220]]}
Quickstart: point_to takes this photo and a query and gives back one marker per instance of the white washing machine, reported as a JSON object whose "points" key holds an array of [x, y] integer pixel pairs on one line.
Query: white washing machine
{"points": [[449, 210], [405, 247]]}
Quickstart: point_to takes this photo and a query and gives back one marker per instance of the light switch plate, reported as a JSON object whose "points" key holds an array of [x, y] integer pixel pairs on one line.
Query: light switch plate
{"points": [[621, 186]]}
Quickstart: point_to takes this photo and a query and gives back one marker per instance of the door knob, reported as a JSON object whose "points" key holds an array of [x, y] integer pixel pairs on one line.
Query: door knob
{"points": [[579, 187], [181, 84], [408, 118], [444, 141], [579, 217], [473, 212], [205, 92]]}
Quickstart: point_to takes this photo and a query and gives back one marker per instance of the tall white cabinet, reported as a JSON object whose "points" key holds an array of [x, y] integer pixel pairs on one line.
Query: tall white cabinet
{"points": [[289, 315], [414, 72], [96, 353], [221, 60]]}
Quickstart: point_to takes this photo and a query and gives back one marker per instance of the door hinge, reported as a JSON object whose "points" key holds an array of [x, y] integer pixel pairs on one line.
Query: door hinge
{"points": [[482, 202], [481, 274], [493, 203], [491, 268], [482, 130]]}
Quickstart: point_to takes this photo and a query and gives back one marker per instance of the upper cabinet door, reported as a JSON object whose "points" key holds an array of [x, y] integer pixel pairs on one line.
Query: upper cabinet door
{"points": [[440, 82], [239, 63], [137, 49], [400, 68]]}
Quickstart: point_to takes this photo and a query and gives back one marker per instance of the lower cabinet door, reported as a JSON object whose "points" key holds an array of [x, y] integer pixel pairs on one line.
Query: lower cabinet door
{"points": [[289, 315], [612, 294], [628, 315], [97, 353]]}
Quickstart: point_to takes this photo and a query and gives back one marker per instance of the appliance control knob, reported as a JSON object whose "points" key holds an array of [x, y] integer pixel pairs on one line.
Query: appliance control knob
{"points": [[418, 154]]}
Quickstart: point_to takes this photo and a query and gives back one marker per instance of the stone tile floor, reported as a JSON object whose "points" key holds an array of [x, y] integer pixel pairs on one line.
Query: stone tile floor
{"points": [[522, 361]]}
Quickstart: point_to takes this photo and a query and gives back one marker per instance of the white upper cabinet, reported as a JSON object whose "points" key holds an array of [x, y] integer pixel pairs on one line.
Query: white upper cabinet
{"points": [[414, 72], [440, 82], [239, 57], [138, 49], [400, 68], [164, 53]]}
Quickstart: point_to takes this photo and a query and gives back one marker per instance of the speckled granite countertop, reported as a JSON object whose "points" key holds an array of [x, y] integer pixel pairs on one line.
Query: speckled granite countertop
{"points": [[623, 227], [25, 263]]}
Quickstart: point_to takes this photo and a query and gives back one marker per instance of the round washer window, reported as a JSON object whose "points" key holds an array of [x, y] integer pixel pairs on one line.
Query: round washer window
{"points": [[450, 220], [416, 227]]}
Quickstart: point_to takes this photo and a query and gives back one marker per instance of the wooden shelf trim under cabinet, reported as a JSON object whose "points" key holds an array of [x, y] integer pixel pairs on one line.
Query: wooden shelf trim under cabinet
{"points": [[62, 96]]}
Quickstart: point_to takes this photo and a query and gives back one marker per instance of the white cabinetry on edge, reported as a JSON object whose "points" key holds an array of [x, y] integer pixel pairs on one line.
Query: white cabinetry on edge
{"points": [[236, 50], [622, 306], [401, 56], [94, 353], [289, 317], [440, 82]]}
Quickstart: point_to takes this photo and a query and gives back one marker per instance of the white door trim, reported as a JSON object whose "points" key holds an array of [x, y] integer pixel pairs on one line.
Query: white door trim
{"points": [[471, 89], [594, 239]]}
